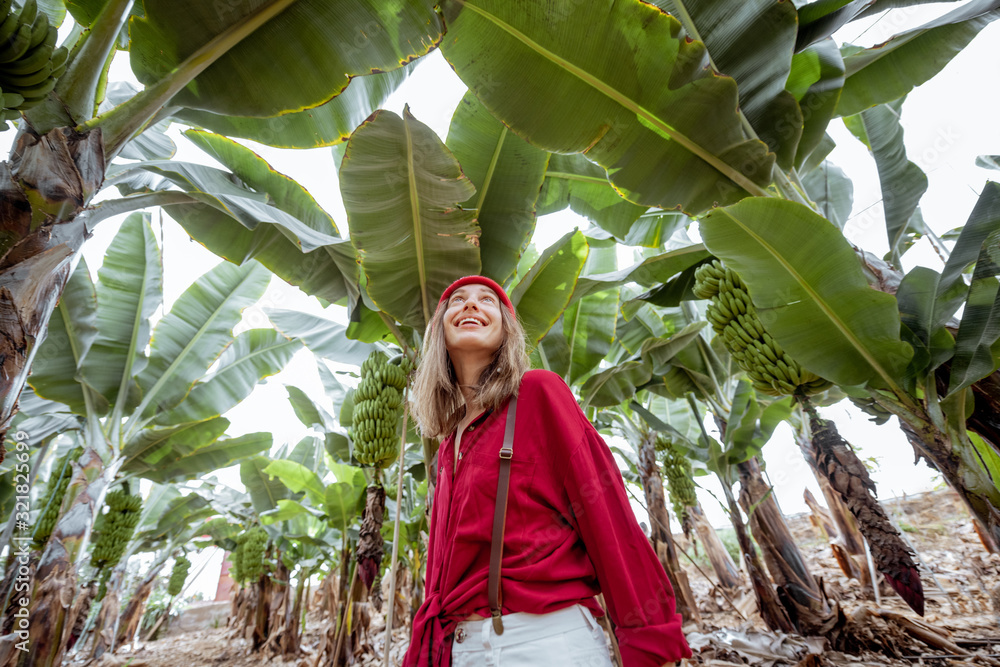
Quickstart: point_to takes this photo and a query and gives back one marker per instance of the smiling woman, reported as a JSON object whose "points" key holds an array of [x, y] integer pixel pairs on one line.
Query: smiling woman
{"points": [[571, 533]]}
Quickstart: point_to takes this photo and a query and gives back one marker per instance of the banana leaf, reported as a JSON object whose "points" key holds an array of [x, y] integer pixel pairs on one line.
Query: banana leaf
{"points": [[307, 411], [129, 290], [402, 189], [651, 271], [299, 479], [321, 336], [980, 327], [189, 338], [903, 182], [816, 80], [328, 124], [507, 172], [545, 291], [751, 41], [808, 287], [614, 385], [931, 342], [819, 20], [574, 181], [679, 145], [305, 55], [253, 355], [265, 491], [71, 332], [888, 71], [832, 191]]}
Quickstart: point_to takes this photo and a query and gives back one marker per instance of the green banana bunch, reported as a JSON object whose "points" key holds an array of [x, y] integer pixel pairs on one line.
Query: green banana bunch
{"points": [[377, 409], [679, 478], [62, 474], [115, 529], [733, 317], [236, 558], [178, 575], [30, 61], [253, 545]]}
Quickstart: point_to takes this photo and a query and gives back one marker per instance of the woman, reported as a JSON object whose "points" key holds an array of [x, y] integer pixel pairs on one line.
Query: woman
{"points": [[569, 530]]}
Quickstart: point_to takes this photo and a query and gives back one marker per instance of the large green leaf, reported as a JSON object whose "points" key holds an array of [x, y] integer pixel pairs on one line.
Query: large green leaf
{"points": [[903, 182], [344, 495], [129, 290], [304, 56], [931, 342], [980, 326], [265, 491], [321, 336], [254, 171], [658, 353], [298, 478], [820, 19], [751, 41], [816, 80], [308, 412], [195, 332], [71, 332], [330, 272], [832, 192], [326, 125], [614, 385], [252, 208], [589, 329], [890, 70], [635, 98], [402, 189], [983, 221], [507, 172], [545, 291], [808, 287], [652, 271], [222, 453], [576, 182], [153, 447], [253, 355]]}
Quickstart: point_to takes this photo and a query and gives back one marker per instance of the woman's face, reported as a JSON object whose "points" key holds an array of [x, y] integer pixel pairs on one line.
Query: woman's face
{"points": [[472, 324]]}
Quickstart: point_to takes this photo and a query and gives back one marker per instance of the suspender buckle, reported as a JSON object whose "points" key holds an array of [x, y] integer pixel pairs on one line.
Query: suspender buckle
{"points": [[497, 623], [506, 452]]}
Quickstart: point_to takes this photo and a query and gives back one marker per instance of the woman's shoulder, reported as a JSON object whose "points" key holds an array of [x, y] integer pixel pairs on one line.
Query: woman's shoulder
{"points": [[542, 382]]}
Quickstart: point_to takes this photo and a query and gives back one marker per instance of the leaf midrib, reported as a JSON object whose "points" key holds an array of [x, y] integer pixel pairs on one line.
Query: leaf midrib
{"points": [[729, 172], [830, 315]]}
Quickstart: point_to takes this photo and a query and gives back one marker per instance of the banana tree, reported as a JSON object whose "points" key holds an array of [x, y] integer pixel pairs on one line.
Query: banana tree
{"points": [[154, 414]]}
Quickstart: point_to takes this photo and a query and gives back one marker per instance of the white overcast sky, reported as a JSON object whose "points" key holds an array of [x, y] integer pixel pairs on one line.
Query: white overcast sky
{"points": [[948, 122]]}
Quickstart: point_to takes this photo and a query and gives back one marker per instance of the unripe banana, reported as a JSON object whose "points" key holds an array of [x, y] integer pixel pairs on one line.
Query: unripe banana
{"points": [[734, 317]]}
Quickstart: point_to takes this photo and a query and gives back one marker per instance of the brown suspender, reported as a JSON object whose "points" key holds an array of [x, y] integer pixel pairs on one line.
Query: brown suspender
{"points": [[496, 546]]}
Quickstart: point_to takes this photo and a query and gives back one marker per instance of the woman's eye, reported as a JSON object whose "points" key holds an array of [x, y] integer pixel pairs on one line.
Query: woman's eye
{"points": [[488, 298]]}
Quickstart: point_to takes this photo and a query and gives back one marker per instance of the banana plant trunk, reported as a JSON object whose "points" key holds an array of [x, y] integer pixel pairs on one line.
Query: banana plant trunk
{"points": [[771, 611], [722, 563], [128, 623], [44, 186], [659, 530], [798, 590]]}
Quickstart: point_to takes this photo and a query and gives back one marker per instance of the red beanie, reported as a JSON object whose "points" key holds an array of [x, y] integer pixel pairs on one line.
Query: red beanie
{"points": [[478, 280]]}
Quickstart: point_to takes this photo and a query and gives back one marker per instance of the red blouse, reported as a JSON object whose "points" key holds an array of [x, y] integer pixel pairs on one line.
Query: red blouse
{"points": [[570, 533]]}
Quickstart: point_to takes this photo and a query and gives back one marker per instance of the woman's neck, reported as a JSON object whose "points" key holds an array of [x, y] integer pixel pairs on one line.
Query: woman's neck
{"points": [[467, 372]]}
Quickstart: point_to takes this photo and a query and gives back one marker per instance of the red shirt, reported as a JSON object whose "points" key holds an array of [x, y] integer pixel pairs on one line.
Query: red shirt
{"points": [[569, 535]]}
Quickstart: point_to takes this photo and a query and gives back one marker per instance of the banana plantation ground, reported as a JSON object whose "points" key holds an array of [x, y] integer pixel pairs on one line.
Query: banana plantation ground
{"points": [[963, 610]]}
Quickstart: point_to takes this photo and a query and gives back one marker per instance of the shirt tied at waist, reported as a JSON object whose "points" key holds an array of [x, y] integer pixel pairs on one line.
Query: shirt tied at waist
{"points": [[432, 633]]}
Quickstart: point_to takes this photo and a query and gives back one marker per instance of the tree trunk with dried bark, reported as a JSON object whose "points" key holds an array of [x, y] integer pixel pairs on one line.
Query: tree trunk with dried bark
{"points": [[798, 590], [128, 623], [722, 563], [663, 541]]}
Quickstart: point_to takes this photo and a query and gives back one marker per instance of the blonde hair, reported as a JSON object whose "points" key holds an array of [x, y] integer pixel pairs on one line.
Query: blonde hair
{"points": [[437, 402]]}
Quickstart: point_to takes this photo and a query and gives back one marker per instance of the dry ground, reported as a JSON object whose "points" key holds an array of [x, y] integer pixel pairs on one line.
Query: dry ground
{"points": [[958, 603]]}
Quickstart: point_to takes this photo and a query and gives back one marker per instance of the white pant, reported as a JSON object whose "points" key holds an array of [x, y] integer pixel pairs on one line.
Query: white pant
{"points": [[570, 636]]}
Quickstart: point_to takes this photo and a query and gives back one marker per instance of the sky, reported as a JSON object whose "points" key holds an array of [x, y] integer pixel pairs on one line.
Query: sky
{"points": [[948, 122]]}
